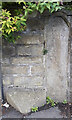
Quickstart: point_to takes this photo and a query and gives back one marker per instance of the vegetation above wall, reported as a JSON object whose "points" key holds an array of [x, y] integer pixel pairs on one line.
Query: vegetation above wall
{"points": [[15, 15]]}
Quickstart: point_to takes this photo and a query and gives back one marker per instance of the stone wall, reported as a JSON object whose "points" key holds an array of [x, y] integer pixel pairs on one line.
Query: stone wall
{"points": [[71, 63], [25, 66], [23, 62]]}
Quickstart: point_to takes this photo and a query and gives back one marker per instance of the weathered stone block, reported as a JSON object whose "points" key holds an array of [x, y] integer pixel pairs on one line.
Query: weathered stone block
{"points": [[6, 70], [35, 25], [37, 70], [24, 99], [15, 70], [30, 39], [5, 62], [32, 50], [28, 81], [26, 60], [8, 51], [56, 37], [71, 83], [20, 69], [6, 80]]}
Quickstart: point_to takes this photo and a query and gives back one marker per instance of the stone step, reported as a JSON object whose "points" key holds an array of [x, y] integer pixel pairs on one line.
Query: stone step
{"points": [[23, 99]]}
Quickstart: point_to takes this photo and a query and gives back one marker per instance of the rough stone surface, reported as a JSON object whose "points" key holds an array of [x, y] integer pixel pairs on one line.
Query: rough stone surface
{"points": [[35, 25], [28, 81], [6, 80], [26, 60], [71, 64], [53, 113], [37, 70], [49, 113], [24, 65], [68, 12], [15, 70], [32, 50], [8, 51], [71, 21], [11, 113], [0, 52], [56, 37], [24, 99], [30, 39], [5, 62]]}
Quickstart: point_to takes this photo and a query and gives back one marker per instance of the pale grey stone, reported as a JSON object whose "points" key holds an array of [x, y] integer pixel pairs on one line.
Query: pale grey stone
{"points": [[30, 39], [49, 113], [5, 62], [26, 60], [37, 70], [23, 81], [31, 81], [24, 99], [15, 70], [56, 37], [31, 50]]}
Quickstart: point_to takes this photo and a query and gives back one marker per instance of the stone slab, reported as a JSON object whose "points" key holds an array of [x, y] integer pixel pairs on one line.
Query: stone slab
{"points": [[24, 99], [15, 70], [56, 37], [31, 50], [11, 114], [31, 81], [6, 80], [30, 39], [26, 60], [27, 81], [37, 70], [49, 113], [5, 62], [8, 51]]}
